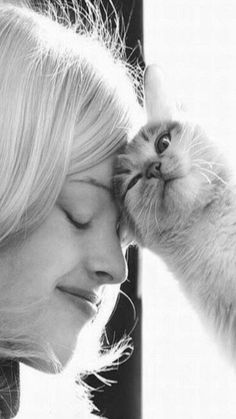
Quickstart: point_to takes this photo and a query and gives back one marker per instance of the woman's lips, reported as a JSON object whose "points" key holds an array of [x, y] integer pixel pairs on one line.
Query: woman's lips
{"points": [[87, 301]]}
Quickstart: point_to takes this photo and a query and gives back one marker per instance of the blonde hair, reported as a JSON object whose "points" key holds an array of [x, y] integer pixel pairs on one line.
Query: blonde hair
{"points": [[66, 104], [68, 101]]}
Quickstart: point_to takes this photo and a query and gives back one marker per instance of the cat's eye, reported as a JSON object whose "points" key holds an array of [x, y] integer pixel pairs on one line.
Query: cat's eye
{"points": [[133, 181], [162, 142]]}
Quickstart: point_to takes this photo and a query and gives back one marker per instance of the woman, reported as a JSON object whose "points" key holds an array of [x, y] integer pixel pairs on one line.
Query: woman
{"points": [[67, 106]]}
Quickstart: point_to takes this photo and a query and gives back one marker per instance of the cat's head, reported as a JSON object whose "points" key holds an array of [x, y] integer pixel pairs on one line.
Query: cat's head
{"points": [[169, 170]]}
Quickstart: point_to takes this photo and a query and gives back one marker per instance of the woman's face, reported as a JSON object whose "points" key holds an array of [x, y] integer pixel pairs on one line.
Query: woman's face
{"points": [[69, 259]]}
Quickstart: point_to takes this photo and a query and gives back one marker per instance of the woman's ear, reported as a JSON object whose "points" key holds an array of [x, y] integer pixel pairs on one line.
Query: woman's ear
{"points": [[160, 106]]}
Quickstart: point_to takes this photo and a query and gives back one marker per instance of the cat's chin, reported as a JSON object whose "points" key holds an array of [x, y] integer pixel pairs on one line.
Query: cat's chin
{"points": [[179, 200], [186, 194], [175, 203]]}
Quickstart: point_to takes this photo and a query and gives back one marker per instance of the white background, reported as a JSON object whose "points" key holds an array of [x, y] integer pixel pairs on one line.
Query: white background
{"points": [[185, 375]]}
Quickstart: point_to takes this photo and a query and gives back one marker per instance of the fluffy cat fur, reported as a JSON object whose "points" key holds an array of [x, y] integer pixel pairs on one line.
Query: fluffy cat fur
{"points": [[178, 200]]}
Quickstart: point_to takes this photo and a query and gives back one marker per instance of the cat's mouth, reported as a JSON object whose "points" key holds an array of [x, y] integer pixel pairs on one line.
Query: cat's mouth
{"points": [[139, 176], [166, 184]]}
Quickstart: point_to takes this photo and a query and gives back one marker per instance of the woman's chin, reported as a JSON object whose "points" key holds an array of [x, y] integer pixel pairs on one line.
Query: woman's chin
{"points": [[44, 366]]}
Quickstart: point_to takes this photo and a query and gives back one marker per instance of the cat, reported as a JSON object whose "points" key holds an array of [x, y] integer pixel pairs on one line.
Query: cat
{"points": [[178, 200]]}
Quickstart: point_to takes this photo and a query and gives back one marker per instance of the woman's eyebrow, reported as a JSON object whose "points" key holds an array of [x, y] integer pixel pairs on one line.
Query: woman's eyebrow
{"points": [[95, 182]]}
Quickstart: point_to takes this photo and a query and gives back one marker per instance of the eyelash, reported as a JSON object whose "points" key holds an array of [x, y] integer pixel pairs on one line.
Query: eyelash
{"points": [[76, 224], [84, 226]]}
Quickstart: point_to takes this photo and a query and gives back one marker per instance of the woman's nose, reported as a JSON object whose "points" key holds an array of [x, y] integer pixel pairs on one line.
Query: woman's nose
{"points": [[108, 264]]}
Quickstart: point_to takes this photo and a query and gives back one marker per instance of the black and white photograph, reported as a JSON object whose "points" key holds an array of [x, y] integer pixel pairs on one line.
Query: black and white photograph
{"points": [[117, 209]]}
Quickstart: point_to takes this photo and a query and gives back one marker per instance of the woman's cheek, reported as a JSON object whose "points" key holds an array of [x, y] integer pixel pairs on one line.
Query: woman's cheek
{"points": [[47, 254]]}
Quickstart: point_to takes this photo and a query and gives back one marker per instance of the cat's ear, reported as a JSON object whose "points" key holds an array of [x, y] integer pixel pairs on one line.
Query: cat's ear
{"points": [[159, 103]]}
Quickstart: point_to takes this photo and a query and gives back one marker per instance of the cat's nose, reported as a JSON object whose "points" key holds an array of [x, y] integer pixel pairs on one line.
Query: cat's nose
{"points": [[154, 170]]}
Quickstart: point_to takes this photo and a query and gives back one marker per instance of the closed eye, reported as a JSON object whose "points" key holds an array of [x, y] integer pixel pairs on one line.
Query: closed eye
{"points": [[122, 171], [133, 181], [75, 223]]}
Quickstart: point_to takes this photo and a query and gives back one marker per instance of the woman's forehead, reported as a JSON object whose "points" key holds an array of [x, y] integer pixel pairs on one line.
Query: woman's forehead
{"points": [[99, 175], [90, 184]]}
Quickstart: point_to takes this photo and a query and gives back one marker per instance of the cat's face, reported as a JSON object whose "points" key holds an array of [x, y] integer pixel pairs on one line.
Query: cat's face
{"points": [[169, 171]]}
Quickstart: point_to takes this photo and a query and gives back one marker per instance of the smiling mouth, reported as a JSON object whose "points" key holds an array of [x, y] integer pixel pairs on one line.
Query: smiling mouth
{"points": [[88, 301], [78, 292]]}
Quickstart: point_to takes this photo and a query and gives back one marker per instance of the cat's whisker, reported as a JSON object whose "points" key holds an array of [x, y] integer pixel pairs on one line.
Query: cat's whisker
{"points": [[140, 212], [155, 215], [195, 144], [201, 151], [202, 163], [206, 177], [187, 127], [200, 171], [137, 217], [197, 137], [207, 146], [210, 163], [149, 213], [205, 162], [196, 165], [135, 226], [215, 174], [183, 134], [200, 144], [185, 151], [133, 210], [145, 225]]}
